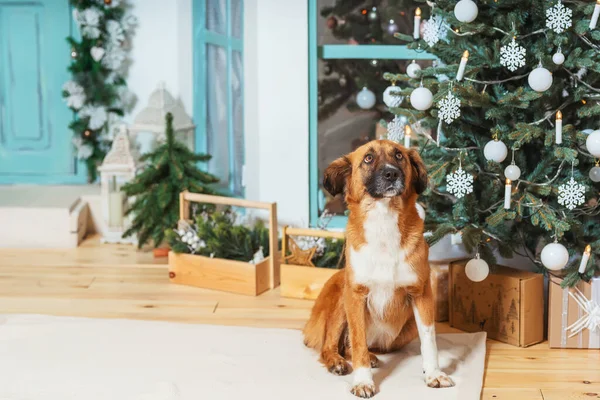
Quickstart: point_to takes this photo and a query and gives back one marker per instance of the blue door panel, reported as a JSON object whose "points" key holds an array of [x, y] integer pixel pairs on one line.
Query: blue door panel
{"points": [[35, 141]]}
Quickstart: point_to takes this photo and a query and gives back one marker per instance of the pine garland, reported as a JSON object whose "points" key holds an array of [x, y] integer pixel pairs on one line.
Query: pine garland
{"points": [[171, 169], [97, 92]]}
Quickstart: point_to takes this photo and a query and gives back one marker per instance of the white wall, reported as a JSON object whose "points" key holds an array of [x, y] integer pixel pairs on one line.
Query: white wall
{"points": [[161, 50], [275, 91], [276, 105]]}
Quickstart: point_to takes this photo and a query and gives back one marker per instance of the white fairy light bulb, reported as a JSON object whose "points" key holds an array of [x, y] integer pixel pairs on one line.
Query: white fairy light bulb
{"points": [[592, 143], [554, 256], [417, 24], [558, 127], [595, 15], [495, 150], [462, 66], [421, 98], [477, 269], [365, 99], [540, 79], [507, 193], [585, 258], [466, 11], [407, 136], [412, 69]]}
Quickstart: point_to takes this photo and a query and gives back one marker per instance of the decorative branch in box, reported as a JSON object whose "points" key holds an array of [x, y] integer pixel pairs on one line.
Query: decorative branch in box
{"points": [[311, 257], [217, 252]]}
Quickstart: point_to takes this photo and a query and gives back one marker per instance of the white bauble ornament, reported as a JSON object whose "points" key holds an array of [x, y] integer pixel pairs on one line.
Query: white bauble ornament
{"points": [[495, 150], [555, 256], [466, 11], [540, 79], [412, 69], [365, 99], [477, 269], [595, 174], [421, 98], [392, 97], [558, 58], [512, 172], [592, 143]]}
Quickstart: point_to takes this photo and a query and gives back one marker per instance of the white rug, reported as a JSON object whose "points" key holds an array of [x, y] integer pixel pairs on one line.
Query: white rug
{"points": [[53, 358]]}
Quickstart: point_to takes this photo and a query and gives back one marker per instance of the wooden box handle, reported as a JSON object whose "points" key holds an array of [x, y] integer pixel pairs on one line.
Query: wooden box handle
{"points": [[184, 214]]}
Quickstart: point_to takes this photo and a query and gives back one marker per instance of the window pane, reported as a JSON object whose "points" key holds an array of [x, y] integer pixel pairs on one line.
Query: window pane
{"points": [[216, 11], [362, 25], [237, 84], [237, 11], [342, 126], [216, 112]]}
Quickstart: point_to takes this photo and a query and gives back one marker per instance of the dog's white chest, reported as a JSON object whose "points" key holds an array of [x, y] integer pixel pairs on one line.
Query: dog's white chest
{"points": [[380, 264]]}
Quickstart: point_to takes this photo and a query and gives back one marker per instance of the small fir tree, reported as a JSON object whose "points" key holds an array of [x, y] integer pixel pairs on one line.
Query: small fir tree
{"points": [[172, 169]]}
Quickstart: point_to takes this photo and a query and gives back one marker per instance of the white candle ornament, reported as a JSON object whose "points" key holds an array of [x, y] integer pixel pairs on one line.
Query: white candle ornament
{"points": [[407, 134], [463, 65], [507, 193], [585, 258], [558, 127], [595, 15], [417, 25]]}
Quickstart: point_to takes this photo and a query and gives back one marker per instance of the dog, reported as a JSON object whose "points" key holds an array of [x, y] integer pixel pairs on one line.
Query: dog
{"points": [[382, 299]]}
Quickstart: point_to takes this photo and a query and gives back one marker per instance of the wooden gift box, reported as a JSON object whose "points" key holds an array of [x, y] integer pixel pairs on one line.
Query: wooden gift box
{"points": [[227, 275], [563, 311], [508, 304], [300, 281]]}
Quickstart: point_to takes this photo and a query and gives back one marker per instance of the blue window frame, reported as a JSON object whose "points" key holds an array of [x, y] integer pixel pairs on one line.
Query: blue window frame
{"points": [[219, 88], [337, 51]]}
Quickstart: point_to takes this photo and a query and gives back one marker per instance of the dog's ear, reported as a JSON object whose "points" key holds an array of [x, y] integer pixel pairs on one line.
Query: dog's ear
{"points": [[336, 174], [419, 172]]}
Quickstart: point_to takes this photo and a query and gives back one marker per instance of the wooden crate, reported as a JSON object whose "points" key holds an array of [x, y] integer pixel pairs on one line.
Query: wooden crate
{"points": [[227, 275], [299, 281]]}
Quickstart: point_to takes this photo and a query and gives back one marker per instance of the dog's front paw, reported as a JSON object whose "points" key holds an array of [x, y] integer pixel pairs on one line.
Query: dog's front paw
{"points": [[438, 379], [338, 366], [364, 390]]}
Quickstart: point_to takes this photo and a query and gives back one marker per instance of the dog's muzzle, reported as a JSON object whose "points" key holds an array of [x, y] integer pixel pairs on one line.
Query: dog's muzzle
{"points": [[388, 181]]}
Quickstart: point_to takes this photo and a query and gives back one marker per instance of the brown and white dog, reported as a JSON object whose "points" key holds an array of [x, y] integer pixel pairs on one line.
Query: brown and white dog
{"points": [[383, 298]]}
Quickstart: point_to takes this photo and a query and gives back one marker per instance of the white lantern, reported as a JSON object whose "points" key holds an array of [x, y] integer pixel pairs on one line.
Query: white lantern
{"points": [[117, 169], [148, 127]]}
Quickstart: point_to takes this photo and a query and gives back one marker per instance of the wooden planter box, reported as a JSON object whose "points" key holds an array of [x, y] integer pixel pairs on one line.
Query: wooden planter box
{"points": [[299, 281], [227, 275]]}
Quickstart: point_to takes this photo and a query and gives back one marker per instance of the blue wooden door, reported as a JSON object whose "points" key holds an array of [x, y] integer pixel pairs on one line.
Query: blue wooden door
{"points": [[35, 141]]}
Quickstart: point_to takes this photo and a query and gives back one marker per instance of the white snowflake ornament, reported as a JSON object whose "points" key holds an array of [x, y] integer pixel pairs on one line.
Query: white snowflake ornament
{"points": [[459, 183], [449, 108], [434, 29], [571, 194], [512, 56], [559, 17], [396, 129]]}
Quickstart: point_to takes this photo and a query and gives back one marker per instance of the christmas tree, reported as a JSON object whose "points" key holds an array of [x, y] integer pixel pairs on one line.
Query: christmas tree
{"points": [[505, 128], [361, 22], [172, 169]]}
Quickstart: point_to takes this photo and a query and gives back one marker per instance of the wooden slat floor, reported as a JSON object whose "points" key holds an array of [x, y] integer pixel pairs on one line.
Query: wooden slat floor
{"points": [[115, 281]]}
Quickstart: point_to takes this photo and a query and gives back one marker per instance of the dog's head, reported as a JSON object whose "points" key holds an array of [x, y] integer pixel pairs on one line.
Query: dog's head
{"points": [[380, 168]]}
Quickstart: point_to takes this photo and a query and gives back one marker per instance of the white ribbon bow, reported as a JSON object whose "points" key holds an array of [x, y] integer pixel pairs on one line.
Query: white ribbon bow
{"points": [[591, 314]]}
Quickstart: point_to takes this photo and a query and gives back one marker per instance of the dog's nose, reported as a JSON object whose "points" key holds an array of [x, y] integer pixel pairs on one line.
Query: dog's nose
{"points": [[390, 173]]}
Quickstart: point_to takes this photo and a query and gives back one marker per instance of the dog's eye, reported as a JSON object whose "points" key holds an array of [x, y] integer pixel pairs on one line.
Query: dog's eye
{"points": [[369, 158], [398, 156]]}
